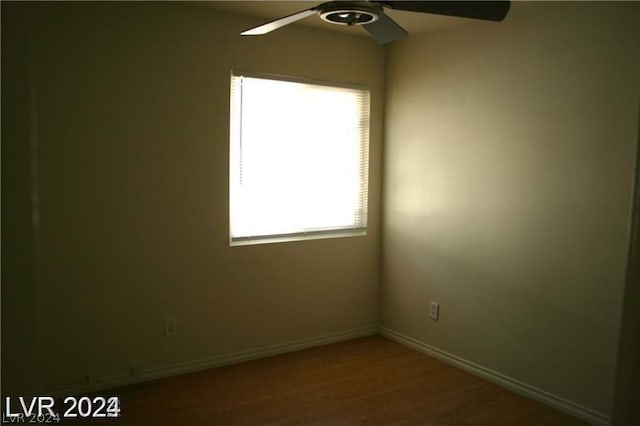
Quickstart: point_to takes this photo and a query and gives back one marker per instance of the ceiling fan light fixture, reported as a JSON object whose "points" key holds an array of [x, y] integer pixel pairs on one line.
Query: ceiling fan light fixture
{"points": [[349, 13], [370, 15]]}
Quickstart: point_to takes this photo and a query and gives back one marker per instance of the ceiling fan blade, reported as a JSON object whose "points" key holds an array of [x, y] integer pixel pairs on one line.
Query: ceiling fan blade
{"points": [[385, 30], [279, 23], [486, 10]]}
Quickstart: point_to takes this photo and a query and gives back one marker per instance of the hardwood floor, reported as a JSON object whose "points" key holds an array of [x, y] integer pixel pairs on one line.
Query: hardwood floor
{"points": [[367, 381]]}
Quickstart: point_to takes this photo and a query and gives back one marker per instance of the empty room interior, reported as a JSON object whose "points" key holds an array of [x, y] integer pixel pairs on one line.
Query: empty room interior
{"points": [[498, 181]]}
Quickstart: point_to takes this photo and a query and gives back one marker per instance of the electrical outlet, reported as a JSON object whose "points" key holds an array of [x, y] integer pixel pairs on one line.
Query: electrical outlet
{"points": [[170, 327], [134, 369], [91, 377], [434, 311]]}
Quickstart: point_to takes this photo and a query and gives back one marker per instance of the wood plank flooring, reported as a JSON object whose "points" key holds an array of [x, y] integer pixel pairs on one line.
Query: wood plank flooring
{"points": [[367, 381]]}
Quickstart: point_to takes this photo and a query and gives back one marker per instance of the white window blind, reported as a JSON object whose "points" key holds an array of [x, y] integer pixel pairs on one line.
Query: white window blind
{"points": [[298, 159]]}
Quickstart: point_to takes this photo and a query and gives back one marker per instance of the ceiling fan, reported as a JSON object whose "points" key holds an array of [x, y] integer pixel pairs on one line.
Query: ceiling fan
{"points": [[383, 29]]}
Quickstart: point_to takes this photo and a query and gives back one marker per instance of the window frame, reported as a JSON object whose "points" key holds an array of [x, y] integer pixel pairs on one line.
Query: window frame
{"points": [[336, 232]]}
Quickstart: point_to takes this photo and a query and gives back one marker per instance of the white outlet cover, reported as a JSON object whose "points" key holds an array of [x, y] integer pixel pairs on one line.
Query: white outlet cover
{"points": [[434, 311], [170, 327]]}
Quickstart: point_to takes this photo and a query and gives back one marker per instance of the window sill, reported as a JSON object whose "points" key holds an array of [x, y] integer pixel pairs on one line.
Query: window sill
{"points": [[272, 239]]}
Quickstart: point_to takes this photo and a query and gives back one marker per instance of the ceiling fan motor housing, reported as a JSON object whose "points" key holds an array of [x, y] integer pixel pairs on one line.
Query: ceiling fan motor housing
{"points": [[349, 13]]}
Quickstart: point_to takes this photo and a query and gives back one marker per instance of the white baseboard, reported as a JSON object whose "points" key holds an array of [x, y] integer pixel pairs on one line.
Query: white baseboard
{"points": [[547, 398], [144, 375]]}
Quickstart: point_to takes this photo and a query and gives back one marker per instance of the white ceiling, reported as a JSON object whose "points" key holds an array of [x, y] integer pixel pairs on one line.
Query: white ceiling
{"points": [[414, 23]]}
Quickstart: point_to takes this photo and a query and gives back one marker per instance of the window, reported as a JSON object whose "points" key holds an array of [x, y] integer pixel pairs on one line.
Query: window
{"points": [[298, 159]]}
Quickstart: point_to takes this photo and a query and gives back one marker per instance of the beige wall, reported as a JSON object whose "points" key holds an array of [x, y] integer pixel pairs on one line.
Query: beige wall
{"points": [[131, 124], [509, 159], [20, 330]]}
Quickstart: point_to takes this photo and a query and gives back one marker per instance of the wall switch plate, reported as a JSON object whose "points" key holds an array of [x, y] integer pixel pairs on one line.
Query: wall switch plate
{"points": [[170, 327], [434, 311]]}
